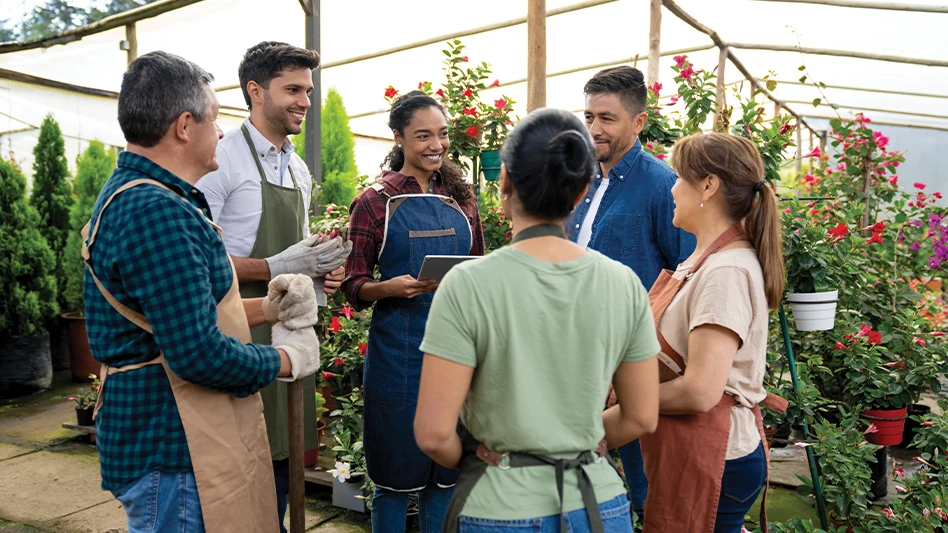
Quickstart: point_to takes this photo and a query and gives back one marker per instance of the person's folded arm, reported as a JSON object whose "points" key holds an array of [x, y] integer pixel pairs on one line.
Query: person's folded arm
{"points": [[711, 351], [167, 269]]}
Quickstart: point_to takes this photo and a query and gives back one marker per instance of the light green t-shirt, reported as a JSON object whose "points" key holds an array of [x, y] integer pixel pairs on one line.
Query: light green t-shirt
{"points": [[545, 341]]}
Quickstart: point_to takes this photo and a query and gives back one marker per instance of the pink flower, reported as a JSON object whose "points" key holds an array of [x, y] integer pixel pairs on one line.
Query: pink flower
{"points": [[802, 445], [347, 312], [919, 185], [686, 73], [329, 210], [674, 99], [881, 140], [941, 514], [495, 84], [888, 513], [937, 195], [927, 424], [893, 181], [661, 156], [464, 59], [871, 429], [655, 88], [919, 341], [899, 473], [787, 210], [328, 375], [926, 512], [500, 104], [421, 85], [840, 346], [815, 153], [680, 61], [900, 488]]}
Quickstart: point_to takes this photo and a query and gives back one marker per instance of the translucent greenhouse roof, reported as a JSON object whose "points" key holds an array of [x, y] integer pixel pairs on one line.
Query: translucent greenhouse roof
{"points": [[215, 33]]}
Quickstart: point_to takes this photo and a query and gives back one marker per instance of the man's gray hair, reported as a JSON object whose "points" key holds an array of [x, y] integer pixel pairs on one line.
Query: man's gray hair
{"points": [[157, 88]]}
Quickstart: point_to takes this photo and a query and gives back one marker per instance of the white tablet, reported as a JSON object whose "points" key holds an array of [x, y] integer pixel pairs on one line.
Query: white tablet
{"points": [[436, 266]]}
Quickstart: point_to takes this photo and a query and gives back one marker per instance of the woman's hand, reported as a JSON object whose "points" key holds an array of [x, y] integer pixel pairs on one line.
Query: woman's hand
{"points": [[408, 287]]}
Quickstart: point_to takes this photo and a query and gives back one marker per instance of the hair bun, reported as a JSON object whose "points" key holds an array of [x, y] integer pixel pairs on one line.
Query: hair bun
{"points": [[569, 151]]}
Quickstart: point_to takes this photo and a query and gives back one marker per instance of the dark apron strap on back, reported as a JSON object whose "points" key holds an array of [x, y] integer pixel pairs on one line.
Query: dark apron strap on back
{"points": [[472, 468]]}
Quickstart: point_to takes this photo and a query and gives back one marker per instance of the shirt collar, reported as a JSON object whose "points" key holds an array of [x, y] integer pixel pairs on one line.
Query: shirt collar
{"points": [[262, 145], [398, 180], [621, 170], [143, 165]]}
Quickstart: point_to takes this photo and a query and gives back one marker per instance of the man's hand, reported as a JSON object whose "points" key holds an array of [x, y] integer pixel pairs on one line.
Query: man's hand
{"points": [[333, 280]]}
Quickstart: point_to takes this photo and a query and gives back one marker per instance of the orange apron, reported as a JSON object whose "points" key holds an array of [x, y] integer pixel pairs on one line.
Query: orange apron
{"points": [[227, 436], [684, 458]]}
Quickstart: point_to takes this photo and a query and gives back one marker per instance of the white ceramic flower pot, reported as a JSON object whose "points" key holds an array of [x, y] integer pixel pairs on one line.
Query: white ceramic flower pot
{"points": [[814, 311], [345, 495]]}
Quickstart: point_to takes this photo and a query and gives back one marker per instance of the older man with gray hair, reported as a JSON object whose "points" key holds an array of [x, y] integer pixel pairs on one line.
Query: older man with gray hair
{"points": [[179, 423]]}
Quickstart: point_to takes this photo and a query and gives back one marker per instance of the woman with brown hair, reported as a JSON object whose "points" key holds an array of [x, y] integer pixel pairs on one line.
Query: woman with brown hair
{"points": [[707, 461]]}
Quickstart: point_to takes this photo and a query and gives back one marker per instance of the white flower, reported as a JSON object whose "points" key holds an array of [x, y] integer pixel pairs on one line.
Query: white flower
{"points": [[341, 472]]}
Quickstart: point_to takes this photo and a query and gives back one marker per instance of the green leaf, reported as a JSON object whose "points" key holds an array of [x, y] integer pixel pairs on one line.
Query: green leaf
{"points": [[803, 79], [801, 68], [771, 85], [816, 102], [836, 123], [834, 106]]}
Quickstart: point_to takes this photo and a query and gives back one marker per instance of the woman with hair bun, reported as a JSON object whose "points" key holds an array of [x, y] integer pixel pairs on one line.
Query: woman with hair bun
{"points": [[420, 206], [522, 347]]}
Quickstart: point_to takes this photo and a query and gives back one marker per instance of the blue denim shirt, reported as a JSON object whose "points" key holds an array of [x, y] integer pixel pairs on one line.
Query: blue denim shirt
{"points": [[634, 221]]}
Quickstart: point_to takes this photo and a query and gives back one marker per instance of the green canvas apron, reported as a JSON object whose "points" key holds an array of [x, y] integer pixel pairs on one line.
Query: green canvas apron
{"points": [[281, 226]]}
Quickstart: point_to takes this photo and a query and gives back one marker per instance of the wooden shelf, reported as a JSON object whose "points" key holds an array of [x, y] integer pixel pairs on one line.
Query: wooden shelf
{"points": [[319, 477]]}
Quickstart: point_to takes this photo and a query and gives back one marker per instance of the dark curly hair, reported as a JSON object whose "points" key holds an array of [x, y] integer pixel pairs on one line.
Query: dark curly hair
{"points": [[403, 110]]}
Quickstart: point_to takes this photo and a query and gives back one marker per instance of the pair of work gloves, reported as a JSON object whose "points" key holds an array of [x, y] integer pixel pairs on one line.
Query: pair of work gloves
{"points": [[315, 257], [294, 296]]}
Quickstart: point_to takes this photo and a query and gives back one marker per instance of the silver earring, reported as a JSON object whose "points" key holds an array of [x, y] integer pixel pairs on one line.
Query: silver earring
{"points": [[701, 205]]}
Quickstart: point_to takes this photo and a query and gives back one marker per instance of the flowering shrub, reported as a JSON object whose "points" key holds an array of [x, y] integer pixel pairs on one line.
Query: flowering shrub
{"points": [[344, 346], [86, 400]]}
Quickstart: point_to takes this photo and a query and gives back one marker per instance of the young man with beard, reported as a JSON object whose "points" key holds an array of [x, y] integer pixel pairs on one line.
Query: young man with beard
{"points": [[260, 196], [627, 213]]}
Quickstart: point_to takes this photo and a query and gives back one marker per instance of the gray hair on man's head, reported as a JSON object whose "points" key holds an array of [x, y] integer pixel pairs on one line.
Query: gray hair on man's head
{"points": [[157, 88]]}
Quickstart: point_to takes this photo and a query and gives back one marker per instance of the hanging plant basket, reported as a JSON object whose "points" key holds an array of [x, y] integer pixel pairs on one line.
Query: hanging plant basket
{"points": [[889, 423], [490, 165], [814, 311]]}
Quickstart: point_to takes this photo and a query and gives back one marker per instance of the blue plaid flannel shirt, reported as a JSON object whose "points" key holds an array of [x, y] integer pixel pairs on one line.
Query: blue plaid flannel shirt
{"points": [[156, 255]]}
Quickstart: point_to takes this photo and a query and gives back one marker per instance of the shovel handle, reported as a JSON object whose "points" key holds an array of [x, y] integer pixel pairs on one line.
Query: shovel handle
{"points": [[294, 392]]}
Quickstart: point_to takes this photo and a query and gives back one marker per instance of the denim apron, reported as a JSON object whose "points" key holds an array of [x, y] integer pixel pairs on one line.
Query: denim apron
{"points": [[416, 225]]}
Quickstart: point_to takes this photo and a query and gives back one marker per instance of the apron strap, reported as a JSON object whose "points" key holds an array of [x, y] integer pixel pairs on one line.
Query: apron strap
{"points": [[91, 235], [733, 234], [253, 152], [380, 189]]}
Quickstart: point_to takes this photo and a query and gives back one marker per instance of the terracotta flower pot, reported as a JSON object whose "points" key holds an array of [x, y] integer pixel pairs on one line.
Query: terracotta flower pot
{"points": [[311, 457], [80, 356], [889, 425]]}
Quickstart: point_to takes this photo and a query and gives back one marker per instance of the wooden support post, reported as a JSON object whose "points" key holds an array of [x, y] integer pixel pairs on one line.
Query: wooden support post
{"points": [[799, 150], [654, 40], [536, 55], [777, 109], [131, 37], [297, 500], [314, 113], [721, 101], [822, 142]]}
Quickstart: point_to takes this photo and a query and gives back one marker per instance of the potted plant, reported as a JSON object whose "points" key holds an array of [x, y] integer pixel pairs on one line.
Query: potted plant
{"points": [[351, 485], [29, 291], [95, 165], [311, 457], [811, 259], [85, 402], [343, 349]]}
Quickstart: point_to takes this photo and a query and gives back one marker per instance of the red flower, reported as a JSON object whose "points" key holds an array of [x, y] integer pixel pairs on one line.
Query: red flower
{"points": [[893, 181], [937, 333], [899, 473], [786, 128], [919, 341], [926, 424], [864, 330], [500, 104], [472, 111], [390, 92], [335, 326], [363, 348], [473, 132], [464, 59], [327, 375], [875, 239], [919, 185], [655, 88], [661, 156], [687, 73], [441, 94], [815, 153], [339, 361], [840, 231], [878, 227], [840, 346], [468, 93], [421, 85], [888, 513], [347, 312], [495, 84], [937, 195], [674, 99], [680, 61]]}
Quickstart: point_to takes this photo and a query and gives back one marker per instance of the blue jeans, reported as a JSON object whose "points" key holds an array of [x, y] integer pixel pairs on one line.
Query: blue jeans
{"points": [[165, 503], [390, 509], [634, 469], [614, 513], [744, 478], [281, 477]]}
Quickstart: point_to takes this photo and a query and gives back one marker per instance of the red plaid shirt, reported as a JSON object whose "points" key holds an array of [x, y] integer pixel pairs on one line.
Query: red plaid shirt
{"points": [[367, 228]]}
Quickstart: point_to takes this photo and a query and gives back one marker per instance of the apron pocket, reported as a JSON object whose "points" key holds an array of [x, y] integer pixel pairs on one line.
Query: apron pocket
{"points": [[425, 243]]}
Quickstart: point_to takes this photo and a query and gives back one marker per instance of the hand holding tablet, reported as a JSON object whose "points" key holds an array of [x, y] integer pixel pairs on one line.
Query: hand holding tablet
{"points": [[436, 266]]}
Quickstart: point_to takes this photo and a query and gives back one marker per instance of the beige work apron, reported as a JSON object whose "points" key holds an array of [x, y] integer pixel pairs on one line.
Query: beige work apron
{"points": [[227, 436]]}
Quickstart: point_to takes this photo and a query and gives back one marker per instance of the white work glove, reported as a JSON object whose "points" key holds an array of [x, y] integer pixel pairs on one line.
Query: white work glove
{"points": [[302, 348], [310, 257], [291, 300]]}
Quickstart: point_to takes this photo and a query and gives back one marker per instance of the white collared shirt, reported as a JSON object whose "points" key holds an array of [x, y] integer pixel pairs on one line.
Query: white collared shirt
{"points": [[233, 190]]}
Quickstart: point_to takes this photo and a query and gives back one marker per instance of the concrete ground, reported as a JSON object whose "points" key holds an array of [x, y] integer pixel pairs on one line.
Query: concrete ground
{"points": [[49, 476]]}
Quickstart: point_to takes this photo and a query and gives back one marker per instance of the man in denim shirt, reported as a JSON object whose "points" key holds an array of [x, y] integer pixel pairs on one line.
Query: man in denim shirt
{"points": [[627, 213]]}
